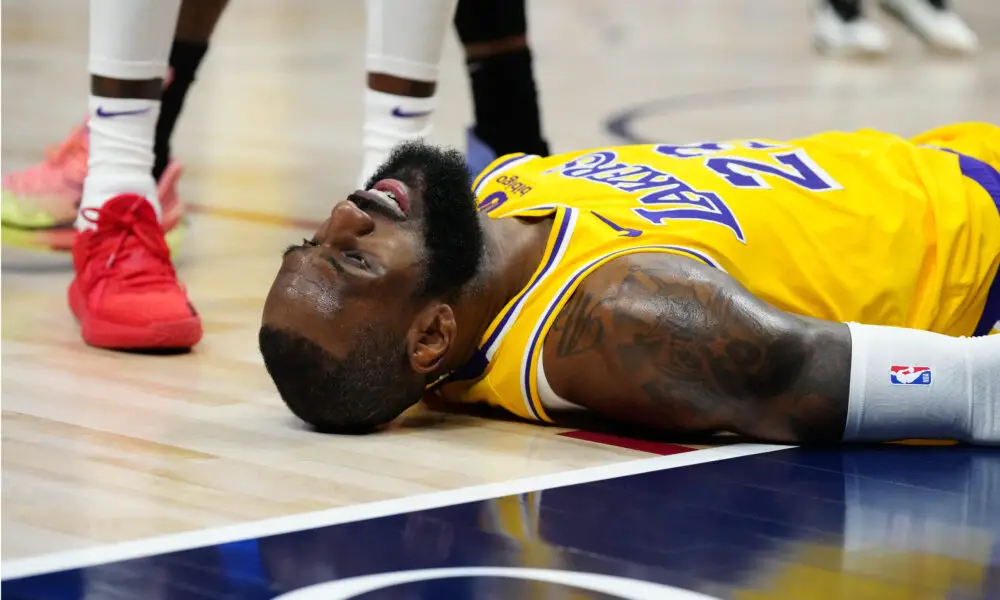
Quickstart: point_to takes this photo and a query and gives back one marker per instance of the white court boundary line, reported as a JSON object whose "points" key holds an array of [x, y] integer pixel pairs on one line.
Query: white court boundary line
{"points": [[88, 557]]}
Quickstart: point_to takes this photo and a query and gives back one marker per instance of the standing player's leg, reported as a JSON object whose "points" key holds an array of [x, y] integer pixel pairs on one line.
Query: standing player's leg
{"points": [[840, 28], [935, 23], [125, 292], [195, 27], [498, 58], [39, 204], [404, 43]]}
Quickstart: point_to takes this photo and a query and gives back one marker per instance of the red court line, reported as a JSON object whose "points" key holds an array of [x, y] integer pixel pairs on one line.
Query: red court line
{"points": [[661, 448]]}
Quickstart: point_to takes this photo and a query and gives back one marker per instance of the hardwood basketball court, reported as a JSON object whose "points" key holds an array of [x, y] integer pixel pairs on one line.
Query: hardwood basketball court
{"points": [[101, 448]]}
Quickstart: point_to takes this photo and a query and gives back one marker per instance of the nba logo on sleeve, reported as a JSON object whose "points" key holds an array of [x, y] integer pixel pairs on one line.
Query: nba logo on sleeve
{"points": [[900, 375]]}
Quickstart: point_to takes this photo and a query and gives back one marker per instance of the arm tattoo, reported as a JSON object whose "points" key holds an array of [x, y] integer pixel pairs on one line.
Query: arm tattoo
{"points": [[695, 350], [578, 328]]}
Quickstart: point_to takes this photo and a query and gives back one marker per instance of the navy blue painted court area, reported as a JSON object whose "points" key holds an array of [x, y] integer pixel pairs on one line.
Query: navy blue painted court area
{"points": [[879, 522]]}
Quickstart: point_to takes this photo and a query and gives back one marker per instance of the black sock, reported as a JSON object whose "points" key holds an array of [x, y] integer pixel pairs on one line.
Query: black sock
{"points": [[184, 60], [848, 10], [506, 103]]}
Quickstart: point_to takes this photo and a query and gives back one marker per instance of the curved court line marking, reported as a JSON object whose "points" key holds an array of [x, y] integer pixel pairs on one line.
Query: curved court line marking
{"points": [[87, 557], [620, 124], [619, 587]]}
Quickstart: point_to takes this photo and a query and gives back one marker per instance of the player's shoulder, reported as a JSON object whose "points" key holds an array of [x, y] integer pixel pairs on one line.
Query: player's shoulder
{"points": [[639, 281]]}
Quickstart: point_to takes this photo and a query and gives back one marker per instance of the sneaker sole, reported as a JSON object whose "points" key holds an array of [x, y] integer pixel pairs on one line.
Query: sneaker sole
{"points": [[181, 334]]}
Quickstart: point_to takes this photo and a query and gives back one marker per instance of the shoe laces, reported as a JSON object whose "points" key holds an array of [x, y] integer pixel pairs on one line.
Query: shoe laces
{"points": [[129, 235]]}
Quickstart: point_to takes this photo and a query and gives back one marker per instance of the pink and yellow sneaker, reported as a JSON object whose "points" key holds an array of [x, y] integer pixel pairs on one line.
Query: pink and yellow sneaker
{"points": [[38, 206]]}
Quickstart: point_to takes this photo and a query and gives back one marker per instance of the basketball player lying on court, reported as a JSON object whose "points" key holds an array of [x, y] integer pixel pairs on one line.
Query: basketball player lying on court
{"points": [[835, 287]]}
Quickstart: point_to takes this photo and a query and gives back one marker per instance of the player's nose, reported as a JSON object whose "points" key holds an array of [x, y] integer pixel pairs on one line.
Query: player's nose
{"points": [[348, 223]]}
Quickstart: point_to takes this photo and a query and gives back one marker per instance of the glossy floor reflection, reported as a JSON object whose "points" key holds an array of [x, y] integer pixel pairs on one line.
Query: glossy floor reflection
{"points": [[874, 523]]}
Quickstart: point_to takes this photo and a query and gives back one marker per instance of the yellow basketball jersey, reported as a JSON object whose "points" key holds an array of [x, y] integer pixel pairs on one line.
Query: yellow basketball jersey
{"points": [[863, 227]]}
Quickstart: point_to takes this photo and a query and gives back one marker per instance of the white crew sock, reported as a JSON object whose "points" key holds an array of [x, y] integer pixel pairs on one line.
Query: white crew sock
{"points": [[389, 120], [121, 152], [129, 40]]}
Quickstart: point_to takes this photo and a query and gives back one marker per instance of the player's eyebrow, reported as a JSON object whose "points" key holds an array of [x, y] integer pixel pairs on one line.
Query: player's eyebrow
{"points": [[310, 244], [294, 247]]}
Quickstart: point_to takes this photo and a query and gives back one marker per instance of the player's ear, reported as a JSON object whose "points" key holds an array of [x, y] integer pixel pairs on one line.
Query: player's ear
{"points": [[429, 337]]}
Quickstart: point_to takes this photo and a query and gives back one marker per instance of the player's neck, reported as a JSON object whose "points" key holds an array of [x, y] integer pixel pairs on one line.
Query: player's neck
{"points": [[514, 248]]}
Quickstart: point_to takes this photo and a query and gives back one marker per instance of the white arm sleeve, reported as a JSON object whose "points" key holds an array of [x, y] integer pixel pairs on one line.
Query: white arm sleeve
{"points": [[907, 383]]}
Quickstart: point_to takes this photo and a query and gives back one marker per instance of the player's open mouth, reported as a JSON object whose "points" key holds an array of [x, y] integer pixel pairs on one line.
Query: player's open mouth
{"points": [[395, 191]]}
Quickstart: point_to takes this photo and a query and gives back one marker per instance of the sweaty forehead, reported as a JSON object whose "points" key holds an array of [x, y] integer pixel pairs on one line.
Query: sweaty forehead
{"points": [[330, 312]]}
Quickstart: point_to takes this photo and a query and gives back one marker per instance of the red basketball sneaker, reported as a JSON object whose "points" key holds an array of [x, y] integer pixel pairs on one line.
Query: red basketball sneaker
{"points": [[126, 294]]}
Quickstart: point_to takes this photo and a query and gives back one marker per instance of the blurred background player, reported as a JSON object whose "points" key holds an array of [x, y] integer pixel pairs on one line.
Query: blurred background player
{"points": [[840, 27], [126, 293]]}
